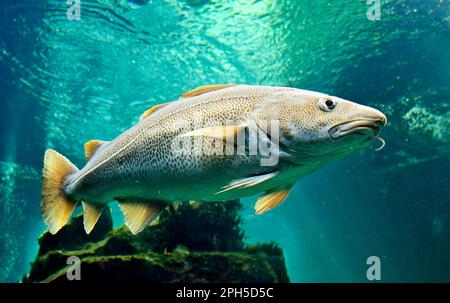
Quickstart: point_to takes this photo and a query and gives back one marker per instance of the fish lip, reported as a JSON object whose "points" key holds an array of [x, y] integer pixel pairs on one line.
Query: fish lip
{"points": [[366, 126]]}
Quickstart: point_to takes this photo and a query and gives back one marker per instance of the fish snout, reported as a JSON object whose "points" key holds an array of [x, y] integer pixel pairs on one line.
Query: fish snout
{"points": [[378, 117], [369, 125]]}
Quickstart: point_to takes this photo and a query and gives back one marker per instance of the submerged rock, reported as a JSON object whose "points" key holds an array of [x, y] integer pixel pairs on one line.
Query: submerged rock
{"points": [[189, 242], [72, 236]]}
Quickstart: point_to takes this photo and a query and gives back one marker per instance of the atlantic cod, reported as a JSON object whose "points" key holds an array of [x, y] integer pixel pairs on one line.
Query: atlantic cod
{"points": [[145, 168]]}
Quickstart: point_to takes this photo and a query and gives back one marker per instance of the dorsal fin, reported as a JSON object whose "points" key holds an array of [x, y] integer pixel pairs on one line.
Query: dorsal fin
{"points": [[91, 147], [205, 89], [153, 109]]}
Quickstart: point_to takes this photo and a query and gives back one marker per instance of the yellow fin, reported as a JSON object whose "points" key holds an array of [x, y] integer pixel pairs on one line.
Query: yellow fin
{"points": [[205, 89], [247, 182], [91, 214], [139, 214], [91, 147], [152, 110], [269, 200], [226, 133], [56, 206]]}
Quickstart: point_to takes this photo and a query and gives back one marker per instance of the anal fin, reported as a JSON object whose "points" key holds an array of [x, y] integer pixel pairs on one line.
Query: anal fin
{"points": [[271, 199], [91, 215], [139, 214]]}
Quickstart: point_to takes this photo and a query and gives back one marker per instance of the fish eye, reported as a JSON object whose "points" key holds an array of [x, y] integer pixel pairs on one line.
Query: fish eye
{"points": [[327, 105]]}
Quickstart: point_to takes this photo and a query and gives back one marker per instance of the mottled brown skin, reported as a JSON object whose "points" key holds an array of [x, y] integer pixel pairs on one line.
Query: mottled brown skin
{"points": [[141, 165]]}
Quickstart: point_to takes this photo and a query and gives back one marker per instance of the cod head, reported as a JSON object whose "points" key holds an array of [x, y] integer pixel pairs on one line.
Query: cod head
{"points": [[315, 126]]}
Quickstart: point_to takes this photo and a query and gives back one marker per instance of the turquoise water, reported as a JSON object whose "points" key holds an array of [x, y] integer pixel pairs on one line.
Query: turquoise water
{"points": [[65, 82]]}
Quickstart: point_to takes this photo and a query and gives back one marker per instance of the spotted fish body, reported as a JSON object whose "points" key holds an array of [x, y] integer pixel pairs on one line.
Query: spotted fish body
{"points": [[145, 169]]}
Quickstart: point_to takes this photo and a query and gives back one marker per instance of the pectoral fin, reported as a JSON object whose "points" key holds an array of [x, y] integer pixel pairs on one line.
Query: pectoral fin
{"points": [[271, 199], [226, 133], [91, 214], [205, 89], [139, 214], [152, 110], [247, 182], [91, 147]]}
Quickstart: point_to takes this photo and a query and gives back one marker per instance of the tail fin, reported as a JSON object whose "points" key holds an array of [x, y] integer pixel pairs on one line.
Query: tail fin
{"points": [[56, 206]]}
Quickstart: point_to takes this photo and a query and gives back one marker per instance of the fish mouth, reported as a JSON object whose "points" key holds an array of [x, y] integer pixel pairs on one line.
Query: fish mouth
{"points": [[364, 127]]}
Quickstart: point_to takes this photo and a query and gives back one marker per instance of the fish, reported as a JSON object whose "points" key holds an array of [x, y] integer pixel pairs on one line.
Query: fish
{"points": [[215, 143]]}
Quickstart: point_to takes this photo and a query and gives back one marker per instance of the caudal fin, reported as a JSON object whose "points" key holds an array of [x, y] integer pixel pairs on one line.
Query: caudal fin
{"points": [[56, 206]]}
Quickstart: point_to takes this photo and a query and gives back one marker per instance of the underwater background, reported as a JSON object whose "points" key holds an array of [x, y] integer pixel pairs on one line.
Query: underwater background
{"points": [[64, 82]]}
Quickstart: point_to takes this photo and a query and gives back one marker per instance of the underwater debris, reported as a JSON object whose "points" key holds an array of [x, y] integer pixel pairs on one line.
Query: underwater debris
{"points": [[421, 121], [191, 242]]}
